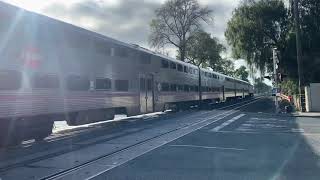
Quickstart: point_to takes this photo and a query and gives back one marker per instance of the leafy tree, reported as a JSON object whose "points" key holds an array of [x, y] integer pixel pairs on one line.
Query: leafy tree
{"points": [[226, 67], [310, 25], [242, 73], [260, 86], [255, 28], [289, 87], [259, 25], [175, 22], [203, 50]]}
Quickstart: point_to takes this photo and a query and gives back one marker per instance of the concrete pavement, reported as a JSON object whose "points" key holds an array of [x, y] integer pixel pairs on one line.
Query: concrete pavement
{"points": [[251, 144]]}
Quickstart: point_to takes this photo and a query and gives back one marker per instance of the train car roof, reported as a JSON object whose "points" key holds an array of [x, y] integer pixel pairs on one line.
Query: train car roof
{"points": [[106, 38]]}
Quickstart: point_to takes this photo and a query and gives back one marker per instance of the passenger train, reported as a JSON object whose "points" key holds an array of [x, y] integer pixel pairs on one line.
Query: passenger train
{"points": [[51, 71]]}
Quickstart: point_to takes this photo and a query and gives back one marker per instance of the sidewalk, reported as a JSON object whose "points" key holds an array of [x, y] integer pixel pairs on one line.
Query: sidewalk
{"points": [[307, 114]]}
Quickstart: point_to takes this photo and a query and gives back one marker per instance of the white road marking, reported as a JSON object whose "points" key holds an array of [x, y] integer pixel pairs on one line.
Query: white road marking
{"points": [[209, 147], [205, 122], [227, 123], [126, 155]]}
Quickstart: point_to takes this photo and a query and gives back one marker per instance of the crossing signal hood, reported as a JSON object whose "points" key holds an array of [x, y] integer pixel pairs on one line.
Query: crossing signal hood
{"points": [[281, 77]]}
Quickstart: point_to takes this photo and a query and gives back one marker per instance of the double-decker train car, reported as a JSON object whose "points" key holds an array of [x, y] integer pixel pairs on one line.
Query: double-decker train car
{"points": [[51, 71]]}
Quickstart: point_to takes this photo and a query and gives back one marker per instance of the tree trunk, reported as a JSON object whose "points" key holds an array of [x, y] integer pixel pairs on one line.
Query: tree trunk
{"points": [[182, 51]]}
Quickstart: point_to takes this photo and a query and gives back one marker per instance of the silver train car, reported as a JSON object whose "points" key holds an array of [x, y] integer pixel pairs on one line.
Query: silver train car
{"points": [[51, 70]]}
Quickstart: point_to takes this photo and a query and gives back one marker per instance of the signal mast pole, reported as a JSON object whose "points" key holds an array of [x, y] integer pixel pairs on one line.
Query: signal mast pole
{"points": [[275, 77], [298, 46]]}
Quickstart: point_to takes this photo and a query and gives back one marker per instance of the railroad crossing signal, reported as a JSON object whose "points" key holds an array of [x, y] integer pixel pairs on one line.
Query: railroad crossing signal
{"points": [[281, 77]]}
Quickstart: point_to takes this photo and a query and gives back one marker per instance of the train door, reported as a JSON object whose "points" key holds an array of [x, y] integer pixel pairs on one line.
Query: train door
{"points": [[223, 95], [146, 93]]}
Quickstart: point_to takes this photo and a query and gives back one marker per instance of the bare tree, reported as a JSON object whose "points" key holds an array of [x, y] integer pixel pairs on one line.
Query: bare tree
{"points": [[175, 21]]}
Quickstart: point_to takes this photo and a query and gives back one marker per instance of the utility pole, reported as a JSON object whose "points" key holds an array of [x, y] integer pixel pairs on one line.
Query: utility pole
{"points": [[200, 88], [275, 76], [298, 46]]}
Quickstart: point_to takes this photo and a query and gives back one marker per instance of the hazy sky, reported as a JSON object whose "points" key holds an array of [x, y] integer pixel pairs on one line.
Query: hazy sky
{"points": [[125, 20]]}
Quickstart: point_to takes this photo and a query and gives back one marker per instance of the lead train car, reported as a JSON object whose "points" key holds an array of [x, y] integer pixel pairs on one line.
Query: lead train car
{"points": [[50, 70]]}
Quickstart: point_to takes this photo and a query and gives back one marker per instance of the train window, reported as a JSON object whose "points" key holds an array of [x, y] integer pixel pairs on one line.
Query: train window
{"points": [[145, 58], [192, 88], [10, 80], [180, 87], [186, 88], [209, 89], [196, 88], [121, 52], [142, 84], [196, 71], [173, 87], [77, 83], [149, 85], [102, 48], [173, 65], [122, 85], [165, 87], [206, 74], [103, 84], [45, 81], [180, 67], [164, 63], [185, 69]]}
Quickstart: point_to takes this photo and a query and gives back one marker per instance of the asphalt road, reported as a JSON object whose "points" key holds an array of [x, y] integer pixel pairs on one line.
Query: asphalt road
{"points": [[252, 143]]}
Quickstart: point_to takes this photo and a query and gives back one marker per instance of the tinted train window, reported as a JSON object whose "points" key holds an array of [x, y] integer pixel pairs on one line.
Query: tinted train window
{"points": [[102, 84], [121, 52], [149, 84], [180, 68], [10, 80], [122, 85], [164, 64], [102, 48], [192, 88], [180, 87], [142, 84], [145, 58], [45, 81], [165, 87], [173, 65], [203, 88], [186, 88], [173, 87], [196, 88], [185, 69], [78, 83]]}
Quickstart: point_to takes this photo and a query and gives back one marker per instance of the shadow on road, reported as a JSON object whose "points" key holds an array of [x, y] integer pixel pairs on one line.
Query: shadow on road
{"points": [[292, 144]]}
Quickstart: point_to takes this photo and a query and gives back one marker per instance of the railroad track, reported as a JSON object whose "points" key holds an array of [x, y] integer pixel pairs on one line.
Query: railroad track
{"points": [[83, 165]]}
